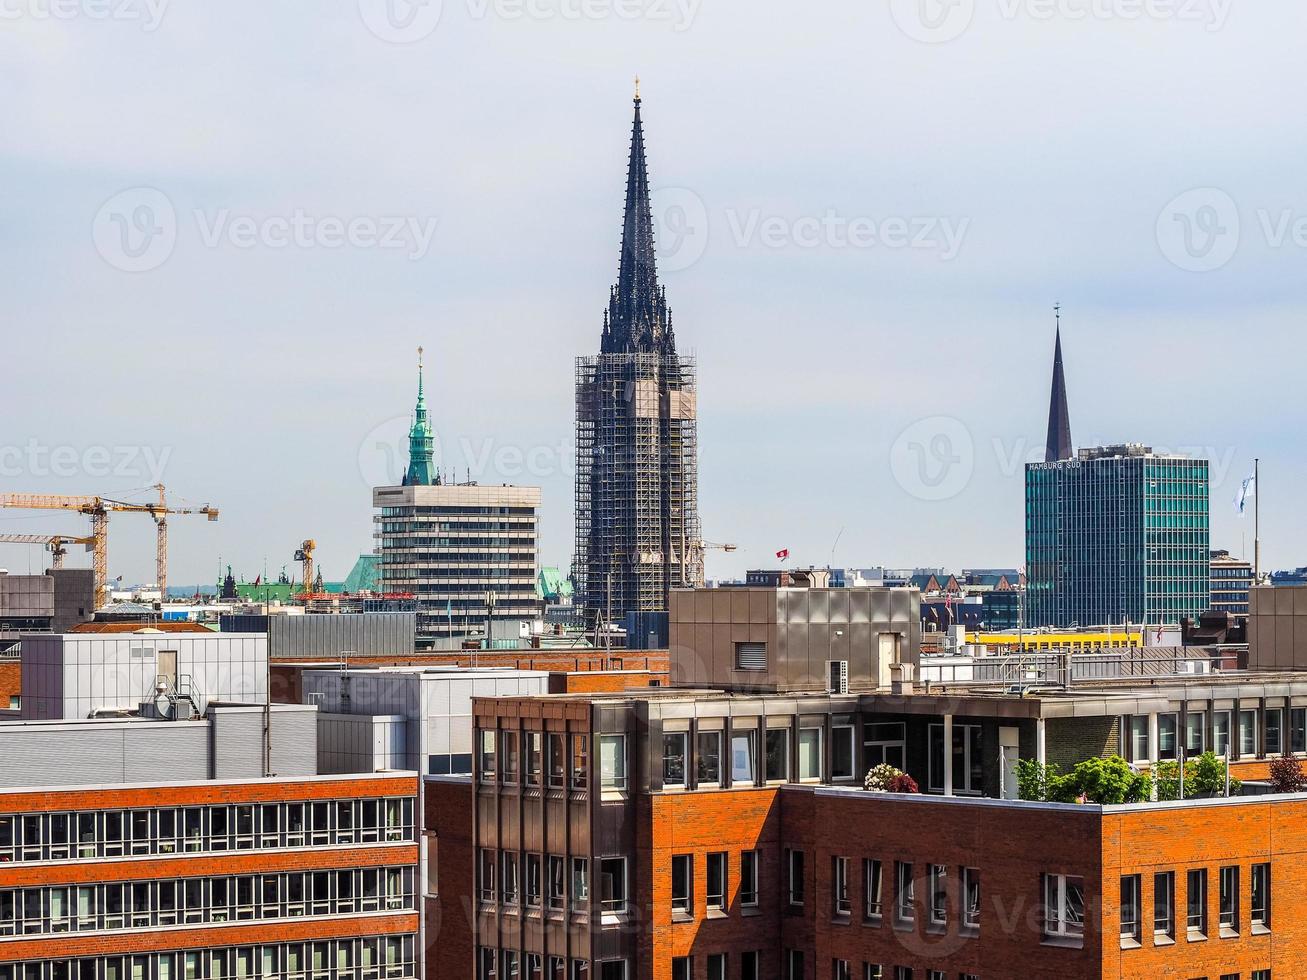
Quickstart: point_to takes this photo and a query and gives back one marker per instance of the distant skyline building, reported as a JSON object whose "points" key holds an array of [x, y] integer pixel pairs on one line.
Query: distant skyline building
{"points": [[1232, 579], [467, 553], [1117, 534], [637, 514]]}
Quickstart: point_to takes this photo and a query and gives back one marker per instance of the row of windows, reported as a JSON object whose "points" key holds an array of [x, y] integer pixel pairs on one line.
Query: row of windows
{"points": [[549, 758], [194, 901], [510, 964], [1164, 918], [423, 511], [539, 881], [369, 958], [91, 834], [843, 970], [947, 896], [1137, 741]]}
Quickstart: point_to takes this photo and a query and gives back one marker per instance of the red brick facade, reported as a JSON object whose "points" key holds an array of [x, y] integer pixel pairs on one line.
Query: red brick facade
{"points": [[449, 942]]}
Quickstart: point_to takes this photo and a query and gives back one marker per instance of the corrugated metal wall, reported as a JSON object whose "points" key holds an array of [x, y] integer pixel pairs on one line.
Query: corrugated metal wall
{"points": [[331, 636]]}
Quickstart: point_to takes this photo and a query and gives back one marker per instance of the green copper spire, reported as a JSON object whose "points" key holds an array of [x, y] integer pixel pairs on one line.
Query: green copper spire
{"points": [[421, 442]]}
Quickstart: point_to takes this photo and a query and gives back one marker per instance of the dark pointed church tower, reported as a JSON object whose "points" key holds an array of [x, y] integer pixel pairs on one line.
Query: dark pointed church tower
{"points": [[1059, 415], [637, 513]]}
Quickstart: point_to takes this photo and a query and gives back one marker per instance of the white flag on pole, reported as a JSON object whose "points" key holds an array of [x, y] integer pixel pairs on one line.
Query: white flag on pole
{"points": [[1247, 489]]}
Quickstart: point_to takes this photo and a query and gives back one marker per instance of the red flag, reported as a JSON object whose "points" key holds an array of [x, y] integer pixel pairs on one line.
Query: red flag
{"points": [[783, 554], [258, 579]]}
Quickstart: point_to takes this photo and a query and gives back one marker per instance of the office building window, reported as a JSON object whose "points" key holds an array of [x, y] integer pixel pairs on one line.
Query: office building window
{"points": [[682, 968], [971, 898], [675, 746], [612, 970], [778, 754], [903, 973], [1196, 903], [535, 757], [1164, 905], [904, 892], [884, 743], [742, 755], [810, 754], [682, 884], [794, 965], [839, 881], [486, 963], [1130, 910], [1195, 733], [716, 966], [938, 894], [839, 970], [557, 898], [749, 965], [1274, 732], [580, 881], [612, 761], [966, 758], [486, 875], [873, 971], [841, 753], [533, 884], [1166, 736], [871, 890], [557, 760], [1261, 897], [612, 885], [1220, 732], [1140, 748], [510, 965], [748, 878], [509, 866], [794, 866], [708, 758], [580, 761], [508, 758], [1064, 907], [1229, 898], [1298, 730], [1248, 732], [486, 766], [716, 886]]}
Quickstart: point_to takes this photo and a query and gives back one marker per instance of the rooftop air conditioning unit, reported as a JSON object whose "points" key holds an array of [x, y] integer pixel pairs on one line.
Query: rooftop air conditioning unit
{"points": [[837, 676]]}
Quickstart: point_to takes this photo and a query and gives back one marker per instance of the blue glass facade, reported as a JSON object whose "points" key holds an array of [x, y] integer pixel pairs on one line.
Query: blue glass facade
{"points": [[1114, 535]]}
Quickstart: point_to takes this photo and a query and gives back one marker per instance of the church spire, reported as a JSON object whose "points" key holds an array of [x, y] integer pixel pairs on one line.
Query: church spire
{"points": [[637, 310], [1059, 415], [421, 442]]}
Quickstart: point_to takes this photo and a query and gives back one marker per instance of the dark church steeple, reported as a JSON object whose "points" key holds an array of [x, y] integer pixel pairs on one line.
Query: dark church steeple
{"points": [[637, 320], [1059, 415]]}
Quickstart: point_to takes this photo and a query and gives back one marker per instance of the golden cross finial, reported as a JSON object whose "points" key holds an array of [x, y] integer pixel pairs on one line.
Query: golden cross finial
{"points": [[637, 88], [419, 357]]}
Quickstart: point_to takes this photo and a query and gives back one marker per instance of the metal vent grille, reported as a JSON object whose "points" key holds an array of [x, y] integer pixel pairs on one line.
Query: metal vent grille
{"points": [[751, 656]]}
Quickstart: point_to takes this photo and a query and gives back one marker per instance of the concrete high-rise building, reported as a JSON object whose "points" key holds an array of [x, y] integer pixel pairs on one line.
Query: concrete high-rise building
{"points": [[466, 552], [637, 514], [1232, 580], [1117, 534]]}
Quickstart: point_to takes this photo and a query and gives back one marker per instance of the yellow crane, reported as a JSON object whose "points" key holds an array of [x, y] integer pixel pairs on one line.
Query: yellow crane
{"points": [[304, 555], [98, 509], [54, 543]]}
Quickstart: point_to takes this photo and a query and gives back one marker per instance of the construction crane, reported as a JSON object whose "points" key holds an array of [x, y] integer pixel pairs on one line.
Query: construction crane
{"points": [[98, 509], [696, 550], [53, 542], [305, 557]]}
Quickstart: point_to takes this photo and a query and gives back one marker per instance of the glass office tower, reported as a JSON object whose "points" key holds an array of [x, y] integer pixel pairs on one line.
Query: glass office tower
{"points": [[1117, 534]]}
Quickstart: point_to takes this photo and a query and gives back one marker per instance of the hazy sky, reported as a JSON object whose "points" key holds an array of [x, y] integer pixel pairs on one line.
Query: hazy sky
{"points": [[226, 227]]}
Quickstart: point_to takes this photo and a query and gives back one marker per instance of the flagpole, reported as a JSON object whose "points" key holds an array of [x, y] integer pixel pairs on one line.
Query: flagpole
{"points": [[1257, 519]]}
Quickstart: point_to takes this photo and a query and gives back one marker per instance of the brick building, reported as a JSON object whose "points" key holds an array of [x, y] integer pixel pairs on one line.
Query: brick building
{"points": [[718, 829]]}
